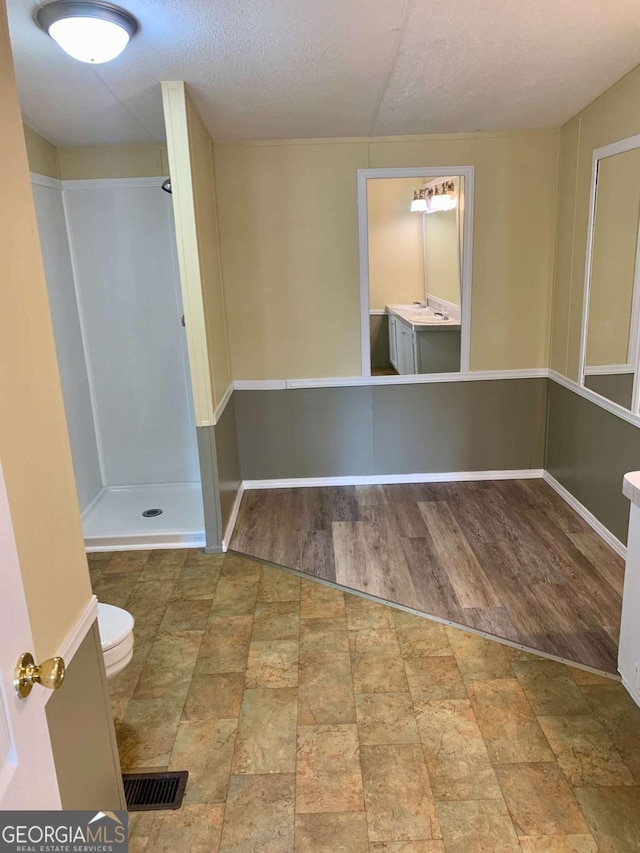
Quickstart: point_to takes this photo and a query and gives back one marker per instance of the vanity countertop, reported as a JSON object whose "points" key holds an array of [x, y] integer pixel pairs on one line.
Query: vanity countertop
{"points": [[422, 318]]}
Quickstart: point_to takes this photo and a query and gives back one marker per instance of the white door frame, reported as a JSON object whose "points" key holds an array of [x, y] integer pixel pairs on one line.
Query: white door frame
{"points": [[364, 175], [619, 147]]}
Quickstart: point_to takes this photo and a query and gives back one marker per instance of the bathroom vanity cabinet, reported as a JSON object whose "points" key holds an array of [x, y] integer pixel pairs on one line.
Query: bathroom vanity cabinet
{"points": [[402, 346], [430, 349]]}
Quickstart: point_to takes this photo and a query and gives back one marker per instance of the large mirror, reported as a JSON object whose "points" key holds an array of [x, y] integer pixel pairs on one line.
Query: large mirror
{"points": [[609, 353], [415, 270]]}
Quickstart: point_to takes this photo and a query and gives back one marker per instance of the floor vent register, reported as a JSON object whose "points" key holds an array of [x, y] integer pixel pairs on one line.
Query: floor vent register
{"points": [[150, 791]]}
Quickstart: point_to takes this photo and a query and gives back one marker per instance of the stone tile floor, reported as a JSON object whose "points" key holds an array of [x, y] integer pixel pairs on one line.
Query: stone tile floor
{"points": [[315, 720]]}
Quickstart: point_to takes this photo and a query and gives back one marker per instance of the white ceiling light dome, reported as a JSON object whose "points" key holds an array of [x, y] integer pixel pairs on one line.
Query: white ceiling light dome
{"points": [[90, 31]]}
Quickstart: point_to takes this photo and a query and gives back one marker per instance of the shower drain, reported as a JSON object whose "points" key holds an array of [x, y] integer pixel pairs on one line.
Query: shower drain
{"points": [[151, 513]]}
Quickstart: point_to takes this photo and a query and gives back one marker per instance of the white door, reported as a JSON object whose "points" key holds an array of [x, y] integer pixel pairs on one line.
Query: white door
{"points": [[27, 771]]}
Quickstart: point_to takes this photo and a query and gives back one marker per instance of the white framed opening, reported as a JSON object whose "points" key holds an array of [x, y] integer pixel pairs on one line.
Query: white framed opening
{"points": [[425, 173], [632, 363]]}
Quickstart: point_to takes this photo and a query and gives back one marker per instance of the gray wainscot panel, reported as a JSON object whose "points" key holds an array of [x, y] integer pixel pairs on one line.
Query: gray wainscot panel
{"points": [[332, 431], [208, 458], [379, 337], [459, 426], [265, 433], [391, 429], [228, 460], [617, 387], [306, 432], [589, 450], [82, 733]]}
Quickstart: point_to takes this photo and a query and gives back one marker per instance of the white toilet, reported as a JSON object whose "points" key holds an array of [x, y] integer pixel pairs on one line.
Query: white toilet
{"points": [[116, 637]]}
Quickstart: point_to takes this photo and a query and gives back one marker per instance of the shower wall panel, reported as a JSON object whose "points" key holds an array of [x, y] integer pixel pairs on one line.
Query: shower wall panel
{"points": [[123, 250], [68, 338]]}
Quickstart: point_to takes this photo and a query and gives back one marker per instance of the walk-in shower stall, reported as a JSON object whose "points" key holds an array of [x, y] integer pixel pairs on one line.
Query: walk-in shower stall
{"points": [[114, 291]]}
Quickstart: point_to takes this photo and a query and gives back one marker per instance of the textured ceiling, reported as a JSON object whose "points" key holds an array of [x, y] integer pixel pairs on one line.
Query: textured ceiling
{"points": [[319, 68]]}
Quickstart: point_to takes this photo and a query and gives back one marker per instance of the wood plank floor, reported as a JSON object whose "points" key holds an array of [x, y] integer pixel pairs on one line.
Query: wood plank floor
{"points": [[508, 557]]}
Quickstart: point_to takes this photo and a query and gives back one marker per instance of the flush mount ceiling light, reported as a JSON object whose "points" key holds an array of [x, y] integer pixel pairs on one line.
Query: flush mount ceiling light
{"points": [[91, 31]]}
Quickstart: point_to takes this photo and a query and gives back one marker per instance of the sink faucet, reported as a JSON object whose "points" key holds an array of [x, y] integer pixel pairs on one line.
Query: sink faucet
{"points": [[444, 314], [420, 304]]}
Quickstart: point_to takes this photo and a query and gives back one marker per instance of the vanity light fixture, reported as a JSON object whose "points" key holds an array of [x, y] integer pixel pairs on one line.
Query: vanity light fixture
{"points": [[441, 197], [88, 30], [419, 204]]}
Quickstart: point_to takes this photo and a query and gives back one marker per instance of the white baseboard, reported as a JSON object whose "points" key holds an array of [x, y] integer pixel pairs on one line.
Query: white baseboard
{"points": [[228, 533], [635, 695], [588, 516], [391, 479], [448, 477], [142, 542]]}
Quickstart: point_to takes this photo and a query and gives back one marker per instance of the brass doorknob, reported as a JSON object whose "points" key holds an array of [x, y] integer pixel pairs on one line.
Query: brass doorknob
{"points": [[50, 674]]}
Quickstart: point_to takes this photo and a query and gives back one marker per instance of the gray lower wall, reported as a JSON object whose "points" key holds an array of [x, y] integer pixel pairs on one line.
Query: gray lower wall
{"points": [[207, 456], [617, 387], [219, 473], [589, 450], [391, 429], [228, 459], [379, 337], [82, 734], [432, 428]]}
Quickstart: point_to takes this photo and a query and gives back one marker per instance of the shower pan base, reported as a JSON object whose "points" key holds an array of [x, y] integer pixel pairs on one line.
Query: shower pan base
{"points": [[114, 521]]}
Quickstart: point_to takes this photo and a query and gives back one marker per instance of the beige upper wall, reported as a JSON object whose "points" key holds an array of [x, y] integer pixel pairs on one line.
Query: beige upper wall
{"points": [[84, 162], [87, 162], [42, 154], [613, 116], [563, 274], [34, 446], [396, 268], [289, 240], [442, 248]]}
